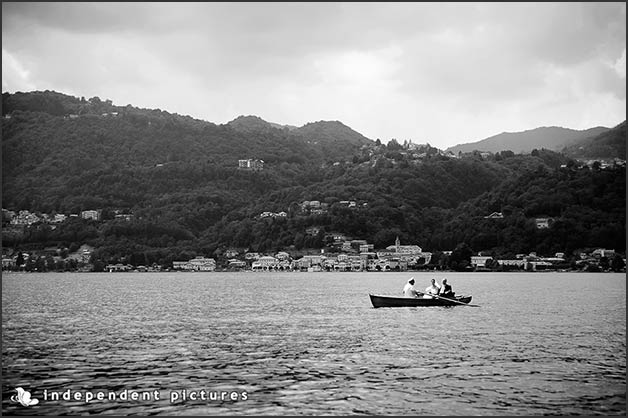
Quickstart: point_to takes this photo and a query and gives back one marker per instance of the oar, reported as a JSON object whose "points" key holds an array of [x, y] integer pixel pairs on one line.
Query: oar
{"points": [[455, 301]]}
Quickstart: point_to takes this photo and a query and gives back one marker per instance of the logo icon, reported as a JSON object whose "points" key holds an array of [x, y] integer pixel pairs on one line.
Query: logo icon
{"points": [[24, 397]]}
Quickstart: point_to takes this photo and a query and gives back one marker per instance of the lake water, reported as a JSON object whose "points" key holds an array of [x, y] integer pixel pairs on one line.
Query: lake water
{"points": [[312, 344]]}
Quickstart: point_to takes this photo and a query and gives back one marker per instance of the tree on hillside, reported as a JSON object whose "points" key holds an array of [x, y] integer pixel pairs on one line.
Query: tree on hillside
{"points": [[460, 257], [393, 145], [19, 261], [617, 263]]}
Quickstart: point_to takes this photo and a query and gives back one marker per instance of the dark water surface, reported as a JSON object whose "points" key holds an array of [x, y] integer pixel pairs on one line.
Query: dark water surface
{"points": [[311, 343]]}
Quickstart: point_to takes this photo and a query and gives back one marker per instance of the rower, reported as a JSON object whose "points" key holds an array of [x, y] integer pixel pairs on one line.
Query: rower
{"points": [[409, 291], [446, 290], [432, 289]]}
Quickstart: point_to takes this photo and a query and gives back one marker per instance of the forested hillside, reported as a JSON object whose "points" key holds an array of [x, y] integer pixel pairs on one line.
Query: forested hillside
{"points": [[606, 145], [179, 178], [65, 162]]}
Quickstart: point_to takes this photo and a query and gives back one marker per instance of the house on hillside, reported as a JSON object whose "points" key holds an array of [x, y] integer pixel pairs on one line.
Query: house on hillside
{"points": [[602, 252], [542, 223], [348, 203], [91, 214], [58, 218], [25, 217], [336, 238], [312, 231], [251, 164], [314, 207]]}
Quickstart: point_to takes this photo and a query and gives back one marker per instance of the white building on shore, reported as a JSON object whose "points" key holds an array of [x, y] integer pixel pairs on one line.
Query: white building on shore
{"points": [[409, 254], [196, 264]]}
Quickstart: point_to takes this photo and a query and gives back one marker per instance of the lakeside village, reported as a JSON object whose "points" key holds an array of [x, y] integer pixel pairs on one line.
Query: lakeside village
{"points": [[345, 255]]}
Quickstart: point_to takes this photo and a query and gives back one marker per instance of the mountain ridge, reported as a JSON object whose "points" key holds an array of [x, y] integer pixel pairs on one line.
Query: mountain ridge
{"points": [[553, 138], [322, 130]]}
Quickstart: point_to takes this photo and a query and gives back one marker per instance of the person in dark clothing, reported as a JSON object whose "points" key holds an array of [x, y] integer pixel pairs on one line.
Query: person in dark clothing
{"points": [[446, 290]]}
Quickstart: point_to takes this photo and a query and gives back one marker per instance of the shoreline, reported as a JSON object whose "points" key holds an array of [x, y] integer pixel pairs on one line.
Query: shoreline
{"points": [[308, 272]]}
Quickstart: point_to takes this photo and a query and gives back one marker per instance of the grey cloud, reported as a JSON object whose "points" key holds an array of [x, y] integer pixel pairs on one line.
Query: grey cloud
{"points": [[93, 17], [508, 51], [562, 33], [288, 28]]}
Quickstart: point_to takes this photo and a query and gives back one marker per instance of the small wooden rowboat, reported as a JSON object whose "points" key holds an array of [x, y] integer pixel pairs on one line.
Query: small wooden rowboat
{"points": [[396, 302]]}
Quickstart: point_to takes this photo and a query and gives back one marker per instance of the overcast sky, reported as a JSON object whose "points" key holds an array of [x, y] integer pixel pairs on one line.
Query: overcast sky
{"points": [[441, 73]]}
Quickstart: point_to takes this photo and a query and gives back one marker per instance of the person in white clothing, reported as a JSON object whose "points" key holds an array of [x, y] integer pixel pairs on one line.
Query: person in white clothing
{"points": [[409, 291], [432, 289]]}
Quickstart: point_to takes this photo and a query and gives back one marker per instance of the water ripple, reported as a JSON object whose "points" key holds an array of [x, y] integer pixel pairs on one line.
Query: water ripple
{"points": [[316, 347]]}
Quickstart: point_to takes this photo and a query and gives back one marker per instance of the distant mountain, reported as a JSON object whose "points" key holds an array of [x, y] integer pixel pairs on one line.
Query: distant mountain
{"points": [[250, 124], [332, 131], [552, 138], [609, 144], [256, 124], [321, 132], [331, 137]]}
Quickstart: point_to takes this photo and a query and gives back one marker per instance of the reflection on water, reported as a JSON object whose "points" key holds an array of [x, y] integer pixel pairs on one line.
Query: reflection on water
{"points": [[311, 344]]}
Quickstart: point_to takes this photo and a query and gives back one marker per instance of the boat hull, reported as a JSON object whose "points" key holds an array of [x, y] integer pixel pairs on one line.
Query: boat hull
{"points": [[395, 302]]}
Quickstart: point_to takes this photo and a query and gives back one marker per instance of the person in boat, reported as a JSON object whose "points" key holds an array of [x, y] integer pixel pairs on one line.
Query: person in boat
{"points": [[446, 290], [409, 291], [432, 289]]}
